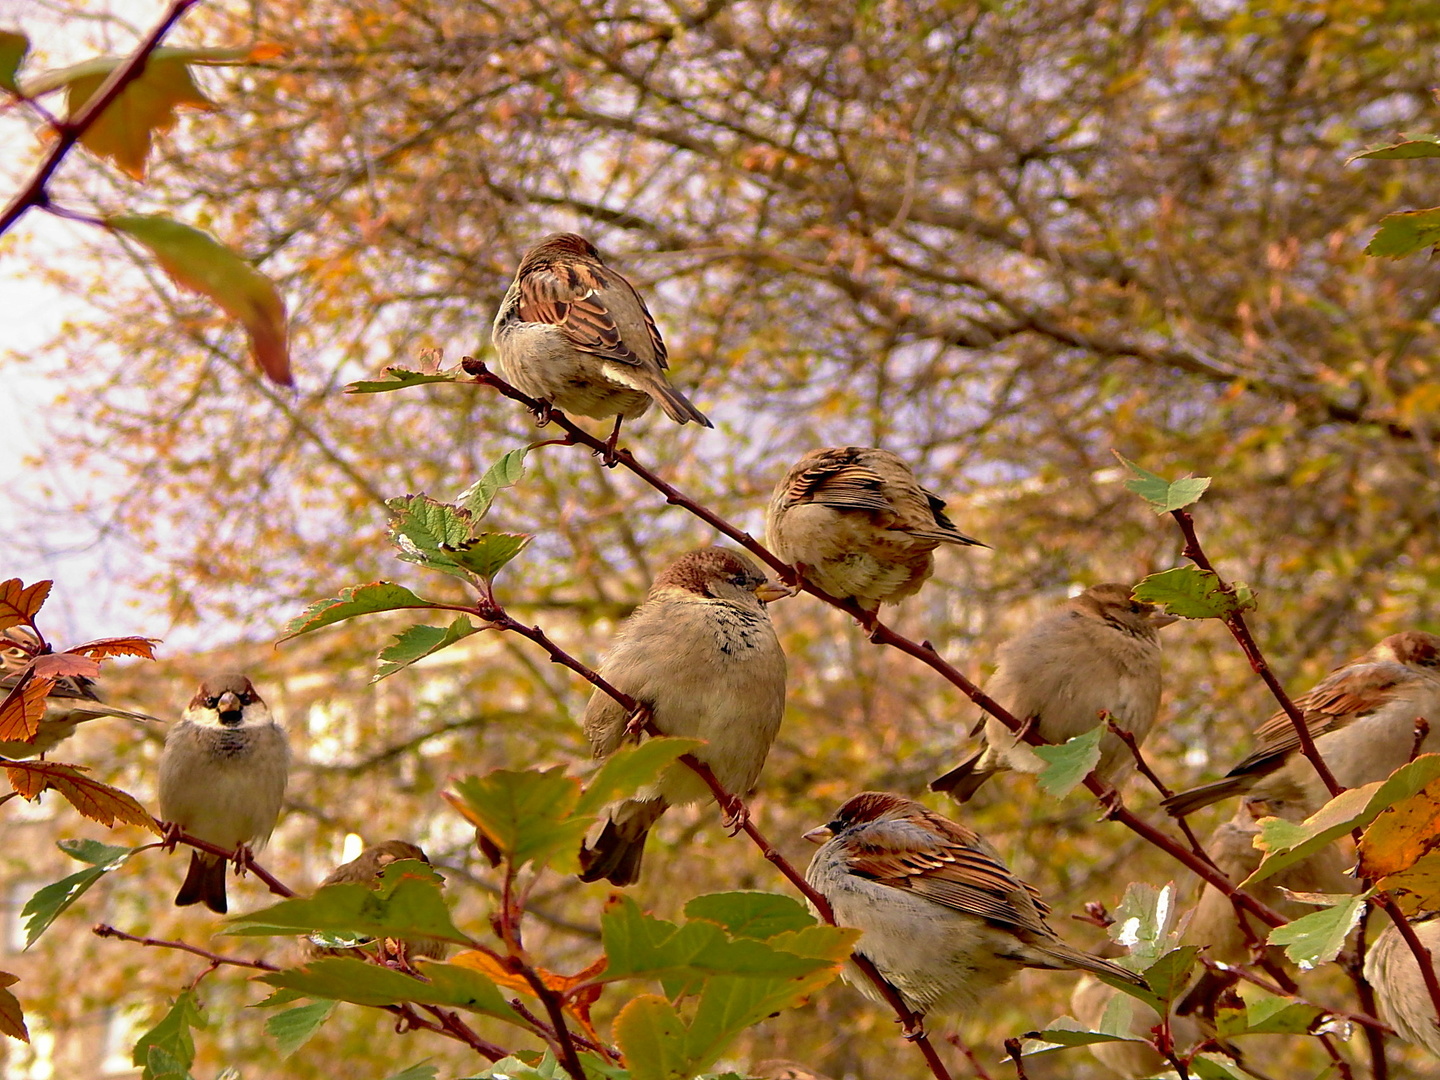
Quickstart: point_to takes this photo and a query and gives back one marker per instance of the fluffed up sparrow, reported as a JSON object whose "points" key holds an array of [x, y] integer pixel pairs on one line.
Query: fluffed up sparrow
{"points": [[222, 779], [365, 869], [1391, 970], [701, 655], [853, 521], [943, 919], [574, 333], [1100, 653], [1362, 718], [73, 699]]}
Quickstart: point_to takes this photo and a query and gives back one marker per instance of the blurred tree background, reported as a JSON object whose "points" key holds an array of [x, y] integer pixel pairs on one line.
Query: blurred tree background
{"points": [[1000, 239]]}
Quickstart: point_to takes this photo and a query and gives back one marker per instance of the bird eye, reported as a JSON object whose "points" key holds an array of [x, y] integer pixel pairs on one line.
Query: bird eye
{"points": [[211, 702], [1136, 606]]}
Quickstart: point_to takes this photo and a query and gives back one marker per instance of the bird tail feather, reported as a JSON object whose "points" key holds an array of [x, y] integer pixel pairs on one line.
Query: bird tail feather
{"points": [[616, 852], [1187, 802], [205, 882], [961, 782]]}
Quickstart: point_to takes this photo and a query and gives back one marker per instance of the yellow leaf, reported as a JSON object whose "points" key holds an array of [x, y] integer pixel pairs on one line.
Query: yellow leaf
{"points": [[1402, 834], [125, 130]]}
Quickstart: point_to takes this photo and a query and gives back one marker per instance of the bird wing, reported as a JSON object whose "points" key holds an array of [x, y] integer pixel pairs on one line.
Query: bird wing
{"points": [[839, 480], [569, 296], [1341, 698], [950, 869]]}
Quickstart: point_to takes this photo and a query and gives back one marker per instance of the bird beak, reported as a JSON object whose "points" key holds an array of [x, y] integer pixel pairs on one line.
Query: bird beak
{"points": [[819, 835], [772, 591], [228, 702], [1158, 620]]}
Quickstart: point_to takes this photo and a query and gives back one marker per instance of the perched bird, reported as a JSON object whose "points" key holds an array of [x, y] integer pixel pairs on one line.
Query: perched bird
{"points": [[1390, 968], [943, 919], [780, 1069], [222, 779], [365, 869], [72, 701], [854, 522], [1362, 718], [574, 333], [1099, 653], [701, 656], [1215, 923]]}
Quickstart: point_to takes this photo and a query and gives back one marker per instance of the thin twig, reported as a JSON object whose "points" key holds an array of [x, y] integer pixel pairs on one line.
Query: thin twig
{"points": [[1355, 968], [105, 930], [1012, 1047], [1423, 959], [970, 1056], [68, 132], [1235, 622], [274, 884]]}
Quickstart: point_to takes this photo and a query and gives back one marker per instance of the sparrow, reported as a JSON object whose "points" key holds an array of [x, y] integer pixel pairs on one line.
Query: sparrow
{"points": [[1215, 923], [942, 917], [1362, 718], [1100, 653], [222, 779], [701, 656], [781, 1069], [1391, 970], [575, 334], [365, 869], [72, 701], [854, 522]]}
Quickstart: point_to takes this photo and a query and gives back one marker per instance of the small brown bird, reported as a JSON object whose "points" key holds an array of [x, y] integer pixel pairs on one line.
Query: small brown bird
{"points": [[573, 333], [854, 522], [1100, 653], [1215, 924], [1390, 968], [780, 1069], [944, 919], [222, 779], [365, 869], [73, 699], [1362, 717], [701, 655]]}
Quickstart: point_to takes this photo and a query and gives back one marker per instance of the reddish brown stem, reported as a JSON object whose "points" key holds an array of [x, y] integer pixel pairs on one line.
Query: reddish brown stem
{"points": [[1012, 1047], [1235, 623], [105, 930], [68, 133], [1417, 947], [274, 884]]}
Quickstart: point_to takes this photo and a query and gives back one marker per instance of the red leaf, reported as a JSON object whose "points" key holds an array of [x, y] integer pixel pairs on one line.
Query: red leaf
{"points": [[18, 604], [53, 665], [24, 708], [96, 801], [102, 648], [12, 1020]]}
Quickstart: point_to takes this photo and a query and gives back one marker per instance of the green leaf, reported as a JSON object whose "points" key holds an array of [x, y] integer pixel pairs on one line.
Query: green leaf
{"points": [[528, 814], [1145, 924], [487, 553], [547, 1068], [1193, 593], [1316, 938], [1168, 975], [1267, 1015], [168, 1048], [419, 642], [1215, 1067], [1065, 1032], [1069, 763], [292, 1028], [224, 56], [504, 473], [48, 903], [399, 379], [730, 1005], [353, 601], [629, 769], [13, 47], [1411, 146], [1405, 232], [417, 1072], [428, 531], [346, 978], [1287, 843], [197, 261], [407, 903], [1163, 495], [651, 1037], [759, 915]]}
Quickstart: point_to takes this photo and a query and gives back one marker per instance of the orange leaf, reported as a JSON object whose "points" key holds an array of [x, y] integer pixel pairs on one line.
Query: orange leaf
{"points": [[1417, 888], [102, 648], [18, 604], [54, 665], [1402, 833], [12, 1020], [96, 801], [146, 107], [24, 707], [494, 970]]}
